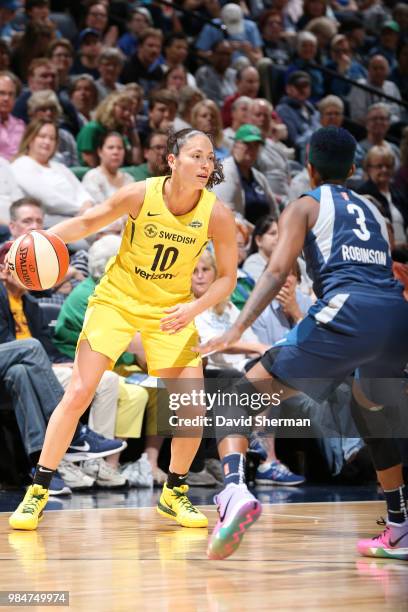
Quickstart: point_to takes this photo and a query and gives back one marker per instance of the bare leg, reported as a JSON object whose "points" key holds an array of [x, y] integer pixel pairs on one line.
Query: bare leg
{"points": [[87, 372]]}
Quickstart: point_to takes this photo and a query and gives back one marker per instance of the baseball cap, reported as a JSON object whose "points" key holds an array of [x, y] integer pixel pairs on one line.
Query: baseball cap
{"points": [[391, 25], [87, 32], [231, 15], [11, 5], [248, 133], [298, 77]]}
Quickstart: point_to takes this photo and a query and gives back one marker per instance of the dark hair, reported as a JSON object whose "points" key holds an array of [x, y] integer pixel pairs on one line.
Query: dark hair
{"points": [[170, 38], [30, 4], [162, 96], [104, 137], [332, 152], [151, 135], [26, 201], [176, 142], [261, 227]]}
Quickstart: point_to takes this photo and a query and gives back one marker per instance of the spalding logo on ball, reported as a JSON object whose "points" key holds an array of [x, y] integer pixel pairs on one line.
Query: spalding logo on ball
{"points": [[38, 260]]}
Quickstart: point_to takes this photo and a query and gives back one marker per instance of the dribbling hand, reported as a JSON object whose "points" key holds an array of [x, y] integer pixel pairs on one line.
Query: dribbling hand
{"points": [[219, 343]]}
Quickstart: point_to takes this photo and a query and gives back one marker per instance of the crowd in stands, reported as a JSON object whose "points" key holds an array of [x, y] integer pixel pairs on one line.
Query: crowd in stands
{"points": [[88, 94]]}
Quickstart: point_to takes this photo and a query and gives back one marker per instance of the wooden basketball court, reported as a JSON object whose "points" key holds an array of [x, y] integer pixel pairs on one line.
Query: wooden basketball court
{"points": [[298, 556]]}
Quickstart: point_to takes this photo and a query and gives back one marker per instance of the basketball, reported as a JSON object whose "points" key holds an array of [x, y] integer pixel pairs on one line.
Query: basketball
{"points": [[38, 260]]}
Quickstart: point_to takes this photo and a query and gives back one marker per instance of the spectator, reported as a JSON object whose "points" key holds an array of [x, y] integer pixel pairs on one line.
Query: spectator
{"points": [[244, 188], [11, 128], [162, 112], [143, 67], [34, 43], [311, 10], [263, 240], [306, 49], [343, 63], [360, 100], [401, 177], [239, 115], [44, 105], [242, 33], [38, 176], [9, 192], [377, 125], [206, 117], [8, 10], [154, 152], [218, 80], [388, 43], [42, 75], [110, 64], [5, 55], [106, 179], [140, 20], [324, 29], [188, 98], [373, 15], [297, 112], [87, 58], [275, 46], [116, 113], [97, 18], [245, 283], [380, 167], [248, 83], [61, 54], [83, 95], [272, 160], [399, 75], [400, 15], [175, 78], [175, 50]]}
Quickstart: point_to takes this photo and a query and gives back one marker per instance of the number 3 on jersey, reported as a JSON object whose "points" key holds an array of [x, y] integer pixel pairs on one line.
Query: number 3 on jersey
{"points": [[362, 233], [164, 260]]}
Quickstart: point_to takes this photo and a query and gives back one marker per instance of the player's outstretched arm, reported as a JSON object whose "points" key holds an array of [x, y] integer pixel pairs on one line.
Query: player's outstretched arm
{"points": [[293, 226], [128, 199]]}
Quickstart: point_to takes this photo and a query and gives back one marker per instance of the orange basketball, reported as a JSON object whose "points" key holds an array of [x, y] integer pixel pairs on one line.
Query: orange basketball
{"points": [[38, 260]]}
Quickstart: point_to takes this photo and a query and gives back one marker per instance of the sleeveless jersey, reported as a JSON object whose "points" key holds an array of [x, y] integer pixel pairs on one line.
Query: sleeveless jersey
{"points": [[348, 245], [159, 250]]}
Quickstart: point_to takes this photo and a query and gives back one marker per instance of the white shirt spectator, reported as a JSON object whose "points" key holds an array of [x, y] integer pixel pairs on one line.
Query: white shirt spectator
{"points": [[99, 188], [9, 190]]}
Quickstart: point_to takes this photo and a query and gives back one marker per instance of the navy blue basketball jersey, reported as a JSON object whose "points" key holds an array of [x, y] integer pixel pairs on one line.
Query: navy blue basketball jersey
{"points": [[348, 245]]}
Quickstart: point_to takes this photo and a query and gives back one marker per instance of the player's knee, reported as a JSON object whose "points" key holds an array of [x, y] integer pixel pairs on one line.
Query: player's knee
{"points": [[78, 397]]}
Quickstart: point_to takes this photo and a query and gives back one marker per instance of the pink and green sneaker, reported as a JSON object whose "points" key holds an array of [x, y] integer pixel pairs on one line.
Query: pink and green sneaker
{"points": [[392, 543], [238, 509]]}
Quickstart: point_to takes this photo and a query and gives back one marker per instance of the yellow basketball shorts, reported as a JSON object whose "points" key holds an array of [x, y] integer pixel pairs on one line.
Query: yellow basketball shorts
{"points": [[109, 330]]}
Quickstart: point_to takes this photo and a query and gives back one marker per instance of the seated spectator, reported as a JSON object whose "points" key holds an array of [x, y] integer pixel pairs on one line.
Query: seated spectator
{"points": [[272, 159], [52, 183], [9, 191], [379, 165], [42, 75], [239, 116], [360, 100], [244, 188], [44, 105], [343, 62], [8, 10], [388, 43], [140, 20], [97, 18], [34, 43], [324, 29], [11, 128], [377, 125], [218, 79], [83, 94], [188, 98], [110, 64], [245, 283], [104, 180], [206, 117], [242, 33], [116, 113], [297, 112], [143, 66], [161, 114], [175, 51], [132, 398], [61, 54], [306, 52], [275, 46], [191, 21], [248, 83], [263, 240], [5, 55], [154, 153], [175, 79], [311, 10], [87, 57]]}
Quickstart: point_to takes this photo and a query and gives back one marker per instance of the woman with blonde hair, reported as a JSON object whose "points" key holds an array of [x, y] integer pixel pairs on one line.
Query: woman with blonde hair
{"points": [[116, 113], [38, 176], [206, 116]]}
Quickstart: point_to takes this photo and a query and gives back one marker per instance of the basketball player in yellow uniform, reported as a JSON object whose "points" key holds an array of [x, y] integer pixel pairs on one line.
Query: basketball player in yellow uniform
{"points": [[148, 289]]}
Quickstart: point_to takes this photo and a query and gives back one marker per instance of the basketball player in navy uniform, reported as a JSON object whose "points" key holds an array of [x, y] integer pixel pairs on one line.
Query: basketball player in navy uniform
{"points": [[358, 326]]}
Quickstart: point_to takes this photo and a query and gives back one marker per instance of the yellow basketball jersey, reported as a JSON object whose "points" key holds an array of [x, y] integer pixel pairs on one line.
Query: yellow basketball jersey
{"points": [[159, 250]]}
